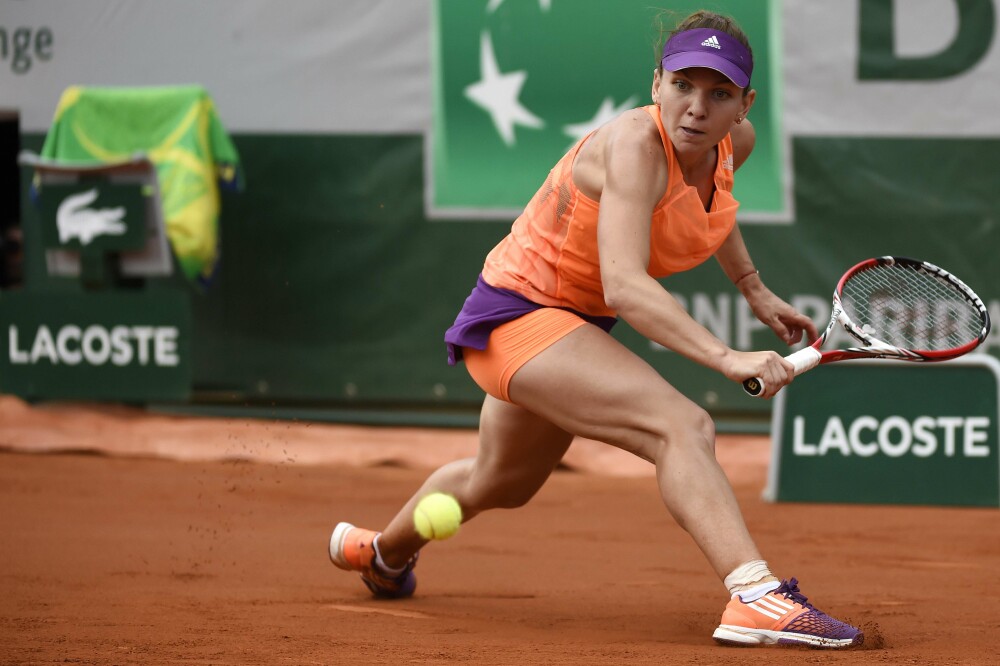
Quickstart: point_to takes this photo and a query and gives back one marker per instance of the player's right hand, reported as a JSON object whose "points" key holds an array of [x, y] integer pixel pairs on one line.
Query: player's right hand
{"points": [[769, 366]]}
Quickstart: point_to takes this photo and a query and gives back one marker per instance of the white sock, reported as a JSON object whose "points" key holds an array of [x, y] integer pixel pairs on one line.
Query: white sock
{"points": [[757, 591], [747, 575], [380, 563]]}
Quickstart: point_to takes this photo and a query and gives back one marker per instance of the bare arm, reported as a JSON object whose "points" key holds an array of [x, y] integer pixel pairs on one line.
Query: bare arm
{"points": [[782, 318], [635, 179]]}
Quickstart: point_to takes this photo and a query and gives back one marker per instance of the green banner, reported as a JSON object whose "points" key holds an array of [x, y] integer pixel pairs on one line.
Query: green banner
{"points": [[888, 432], [517, 83], [133, 347]]}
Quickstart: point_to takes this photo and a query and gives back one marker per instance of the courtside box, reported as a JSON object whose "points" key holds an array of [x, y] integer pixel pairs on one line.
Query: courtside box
{"points": [[888, 432]]}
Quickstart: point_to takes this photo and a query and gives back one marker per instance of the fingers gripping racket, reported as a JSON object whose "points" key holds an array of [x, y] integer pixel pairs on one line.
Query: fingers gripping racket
{"points": [[897, 308]]}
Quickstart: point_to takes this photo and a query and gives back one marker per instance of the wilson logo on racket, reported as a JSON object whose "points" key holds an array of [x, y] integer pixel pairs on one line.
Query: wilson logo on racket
{"points": [[897, 308]]}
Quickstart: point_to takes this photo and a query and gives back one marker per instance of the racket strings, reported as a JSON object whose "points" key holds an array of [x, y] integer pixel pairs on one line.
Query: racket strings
{"points": [[909, 308]]}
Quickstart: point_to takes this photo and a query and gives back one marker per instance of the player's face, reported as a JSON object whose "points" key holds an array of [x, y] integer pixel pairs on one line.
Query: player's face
{"points": [[698, 107]]}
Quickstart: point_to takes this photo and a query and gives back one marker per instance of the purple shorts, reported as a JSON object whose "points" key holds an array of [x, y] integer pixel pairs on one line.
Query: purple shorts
{"points": [[488, 307]]}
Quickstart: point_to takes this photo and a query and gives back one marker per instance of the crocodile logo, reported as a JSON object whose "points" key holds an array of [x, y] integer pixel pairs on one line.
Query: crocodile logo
{"points": [[75, 220]]}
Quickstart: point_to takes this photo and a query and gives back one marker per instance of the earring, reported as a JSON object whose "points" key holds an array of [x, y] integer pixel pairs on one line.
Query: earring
{"points": [[739, 119]]}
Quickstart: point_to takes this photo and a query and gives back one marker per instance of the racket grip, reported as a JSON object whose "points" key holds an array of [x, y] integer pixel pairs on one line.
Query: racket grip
{"points": [[804, 359]]}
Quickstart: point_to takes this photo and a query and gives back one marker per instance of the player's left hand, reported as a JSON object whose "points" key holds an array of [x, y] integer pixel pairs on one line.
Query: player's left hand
{"points": [[787, 323]]}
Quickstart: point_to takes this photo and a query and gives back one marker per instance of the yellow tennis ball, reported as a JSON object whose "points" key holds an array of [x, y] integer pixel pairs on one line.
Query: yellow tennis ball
{"points": [[437, 516]]}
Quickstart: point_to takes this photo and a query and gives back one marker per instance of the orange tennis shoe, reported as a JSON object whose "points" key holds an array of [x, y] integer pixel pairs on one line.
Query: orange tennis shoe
{"points": [[353, 549], [782, 616]]}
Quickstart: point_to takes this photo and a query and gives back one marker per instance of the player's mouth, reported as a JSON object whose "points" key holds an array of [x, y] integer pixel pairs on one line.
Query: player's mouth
{"points": [[690, 131]]}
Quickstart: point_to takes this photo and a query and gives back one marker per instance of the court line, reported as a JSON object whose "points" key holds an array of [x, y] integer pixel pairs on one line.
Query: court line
{"points": [[383, 611]]}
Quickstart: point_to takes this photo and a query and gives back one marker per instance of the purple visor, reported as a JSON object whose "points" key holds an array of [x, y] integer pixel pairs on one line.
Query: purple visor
{"points": [[704, 47]]}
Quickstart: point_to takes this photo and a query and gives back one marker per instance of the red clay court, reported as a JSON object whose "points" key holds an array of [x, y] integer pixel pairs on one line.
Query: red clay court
{"points": [[203, 541]]}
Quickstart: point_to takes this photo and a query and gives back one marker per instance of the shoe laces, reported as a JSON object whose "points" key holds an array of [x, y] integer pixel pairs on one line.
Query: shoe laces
{"points": [[790, 588]]}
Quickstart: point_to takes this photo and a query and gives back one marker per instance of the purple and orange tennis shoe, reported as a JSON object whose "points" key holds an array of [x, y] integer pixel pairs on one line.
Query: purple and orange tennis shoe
{"points": [[353, 549], [782, 616]]}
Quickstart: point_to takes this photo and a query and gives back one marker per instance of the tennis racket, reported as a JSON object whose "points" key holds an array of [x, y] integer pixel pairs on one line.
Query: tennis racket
{"points": [[897, 308]]}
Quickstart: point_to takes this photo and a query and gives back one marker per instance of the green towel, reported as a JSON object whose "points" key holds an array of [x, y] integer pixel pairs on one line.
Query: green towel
{"points": [[178, 129]]}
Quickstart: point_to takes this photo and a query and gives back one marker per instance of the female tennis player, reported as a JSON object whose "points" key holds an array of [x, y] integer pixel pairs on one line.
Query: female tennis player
{"points": [[647, 195]]}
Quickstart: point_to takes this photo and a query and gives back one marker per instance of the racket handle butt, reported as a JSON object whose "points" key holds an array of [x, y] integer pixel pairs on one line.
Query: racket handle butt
{"points": [[753, 386]]}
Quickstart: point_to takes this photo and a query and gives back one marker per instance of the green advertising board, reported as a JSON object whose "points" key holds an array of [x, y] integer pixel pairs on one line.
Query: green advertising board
{"points": [[94, 215], [133, 347], [884, 432]]}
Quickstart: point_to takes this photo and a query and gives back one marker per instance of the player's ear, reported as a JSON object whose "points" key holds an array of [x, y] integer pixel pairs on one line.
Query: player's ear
{"points": [[748, 100], [655, 93]]}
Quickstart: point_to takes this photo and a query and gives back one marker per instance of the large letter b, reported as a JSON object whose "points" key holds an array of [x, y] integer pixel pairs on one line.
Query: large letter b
{"points": [[877, 59]]}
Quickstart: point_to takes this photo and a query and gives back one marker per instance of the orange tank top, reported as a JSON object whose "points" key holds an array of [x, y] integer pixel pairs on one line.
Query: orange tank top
{"points": [[550, 256]]}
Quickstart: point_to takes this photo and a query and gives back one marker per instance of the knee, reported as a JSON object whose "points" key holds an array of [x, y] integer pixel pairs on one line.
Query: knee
{"points": [[694, 428], [702, 428]]}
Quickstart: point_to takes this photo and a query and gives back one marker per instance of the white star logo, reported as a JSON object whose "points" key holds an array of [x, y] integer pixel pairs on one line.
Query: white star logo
{"points": [[607, 111], [497, 93], [492, 7]]}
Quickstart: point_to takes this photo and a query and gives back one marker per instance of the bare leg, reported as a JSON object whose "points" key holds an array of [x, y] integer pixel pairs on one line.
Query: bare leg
{"points": [[613, 397], [517, 452], [617, 398]]}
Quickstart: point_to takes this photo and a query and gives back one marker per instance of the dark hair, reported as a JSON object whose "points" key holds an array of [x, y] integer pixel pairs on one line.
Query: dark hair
{"points": [[700, 19]]}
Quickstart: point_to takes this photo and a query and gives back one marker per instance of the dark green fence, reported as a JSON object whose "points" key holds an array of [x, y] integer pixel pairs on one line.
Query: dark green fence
{"points": [[334, 289]]}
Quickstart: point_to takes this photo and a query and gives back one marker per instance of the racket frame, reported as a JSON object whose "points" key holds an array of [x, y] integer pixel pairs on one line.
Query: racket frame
{"points": [[811, 356]]}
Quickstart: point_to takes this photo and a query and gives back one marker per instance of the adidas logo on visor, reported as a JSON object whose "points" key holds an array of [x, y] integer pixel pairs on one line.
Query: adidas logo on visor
{"points": [[712, 41]]}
